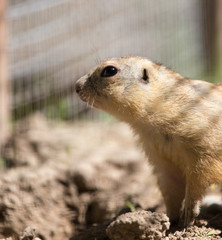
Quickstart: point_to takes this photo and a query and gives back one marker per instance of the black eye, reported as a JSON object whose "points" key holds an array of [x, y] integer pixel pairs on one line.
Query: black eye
{"points": [[145, 77], [109, 71]]}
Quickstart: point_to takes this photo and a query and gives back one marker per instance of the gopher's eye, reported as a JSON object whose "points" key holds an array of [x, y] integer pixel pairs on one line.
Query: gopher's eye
{"points": [[109, 71]]}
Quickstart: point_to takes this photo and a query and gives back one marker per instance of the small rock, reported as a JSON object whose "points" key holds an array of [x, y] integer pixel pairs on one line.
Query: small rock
{"points": [[28, 234], [139, 225]]}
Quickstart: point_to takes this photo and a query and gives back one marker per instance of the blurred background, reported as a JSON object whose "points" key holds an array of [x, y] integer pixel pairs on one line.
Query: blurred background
{"points": [[46, 45]]}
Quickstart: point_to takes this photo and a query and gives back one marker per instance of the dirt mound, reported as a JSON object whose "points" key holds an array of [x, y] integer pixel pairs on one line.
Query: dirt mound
{"points": [[60, 179], [145, 225], [139, 225]]}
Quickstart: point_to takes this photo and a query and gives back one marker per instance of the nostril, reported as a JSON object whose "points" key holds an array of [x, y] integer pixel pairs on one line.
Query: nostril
{"points": [[78, 88]]}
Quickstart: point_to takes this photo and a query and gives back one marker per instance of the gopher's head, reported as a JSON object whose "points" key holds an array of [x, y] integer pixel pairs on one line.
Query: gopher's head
{"points": [[127, 87]]}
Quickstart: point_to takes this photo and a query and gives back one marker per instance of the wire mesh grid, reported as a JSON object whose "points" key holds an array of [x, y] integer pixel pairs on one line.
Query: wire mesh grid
{"points": [[51, 43]]}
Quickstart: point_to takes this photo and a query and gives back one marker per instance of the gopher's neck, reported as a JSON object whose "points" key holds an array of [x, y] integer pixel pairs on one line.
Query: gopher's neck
{"points": [[162, 147]]}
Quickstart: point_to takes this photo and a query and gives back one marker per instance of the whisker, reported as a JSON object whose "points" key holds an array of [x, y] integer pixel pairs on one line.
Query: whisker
{"points": [[93, 100], [87, 102]]}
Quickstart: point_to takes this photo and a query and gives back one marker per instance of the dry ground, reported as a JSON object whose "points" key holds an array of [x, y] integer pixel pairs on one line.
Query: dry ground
{"points": [[86, 181]]}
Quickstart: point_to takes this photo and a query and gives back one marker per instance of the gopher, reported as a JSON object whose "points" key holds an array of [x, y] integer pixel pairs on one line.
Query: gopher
{"points": [[178, 121]]}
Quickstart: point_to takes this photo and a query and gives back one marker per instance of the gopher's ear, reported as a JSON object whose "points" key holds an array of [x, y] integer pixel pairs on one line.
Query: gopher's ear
{"points": [[145, 76]]}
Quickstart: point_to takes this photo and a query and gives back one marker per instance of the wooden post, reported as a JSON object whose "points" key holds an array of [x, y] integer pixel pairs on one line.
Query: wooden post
{"points": [[209, 10], [219, 34], [4, 88]]}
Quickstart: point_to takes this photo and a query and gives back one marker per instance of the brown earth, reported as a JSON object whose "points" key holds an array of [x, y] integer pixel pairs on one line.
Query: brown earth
{"points": [[87, 181]]}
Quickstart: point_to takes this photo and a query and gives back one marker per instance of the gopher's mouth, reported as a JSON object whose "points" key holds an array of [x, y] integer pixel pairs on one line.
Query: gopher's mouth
{"points": [[88, 98], [85, 93]]}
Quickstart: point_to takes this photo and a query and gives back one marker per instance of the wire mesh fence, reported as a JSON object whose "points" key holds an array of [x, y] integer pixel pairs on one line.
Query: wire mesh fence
{"points": [[51, 43]]}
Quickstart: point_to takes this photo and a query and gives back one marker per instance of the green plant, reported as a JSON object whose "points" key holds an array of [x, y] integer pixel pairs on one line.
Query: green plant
{"points": [[129, 204]]}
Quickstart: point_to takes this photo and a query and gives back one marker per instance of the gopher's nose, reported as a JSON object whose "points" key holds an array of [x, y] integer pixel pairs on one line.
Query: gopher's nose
{"points": [[80, 84], [78, 87]]}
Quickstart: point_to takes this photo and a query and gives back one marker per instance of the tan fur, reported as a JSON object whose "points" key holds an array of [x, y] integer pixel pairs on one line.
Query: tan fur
{"points": [[178, 120]]}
